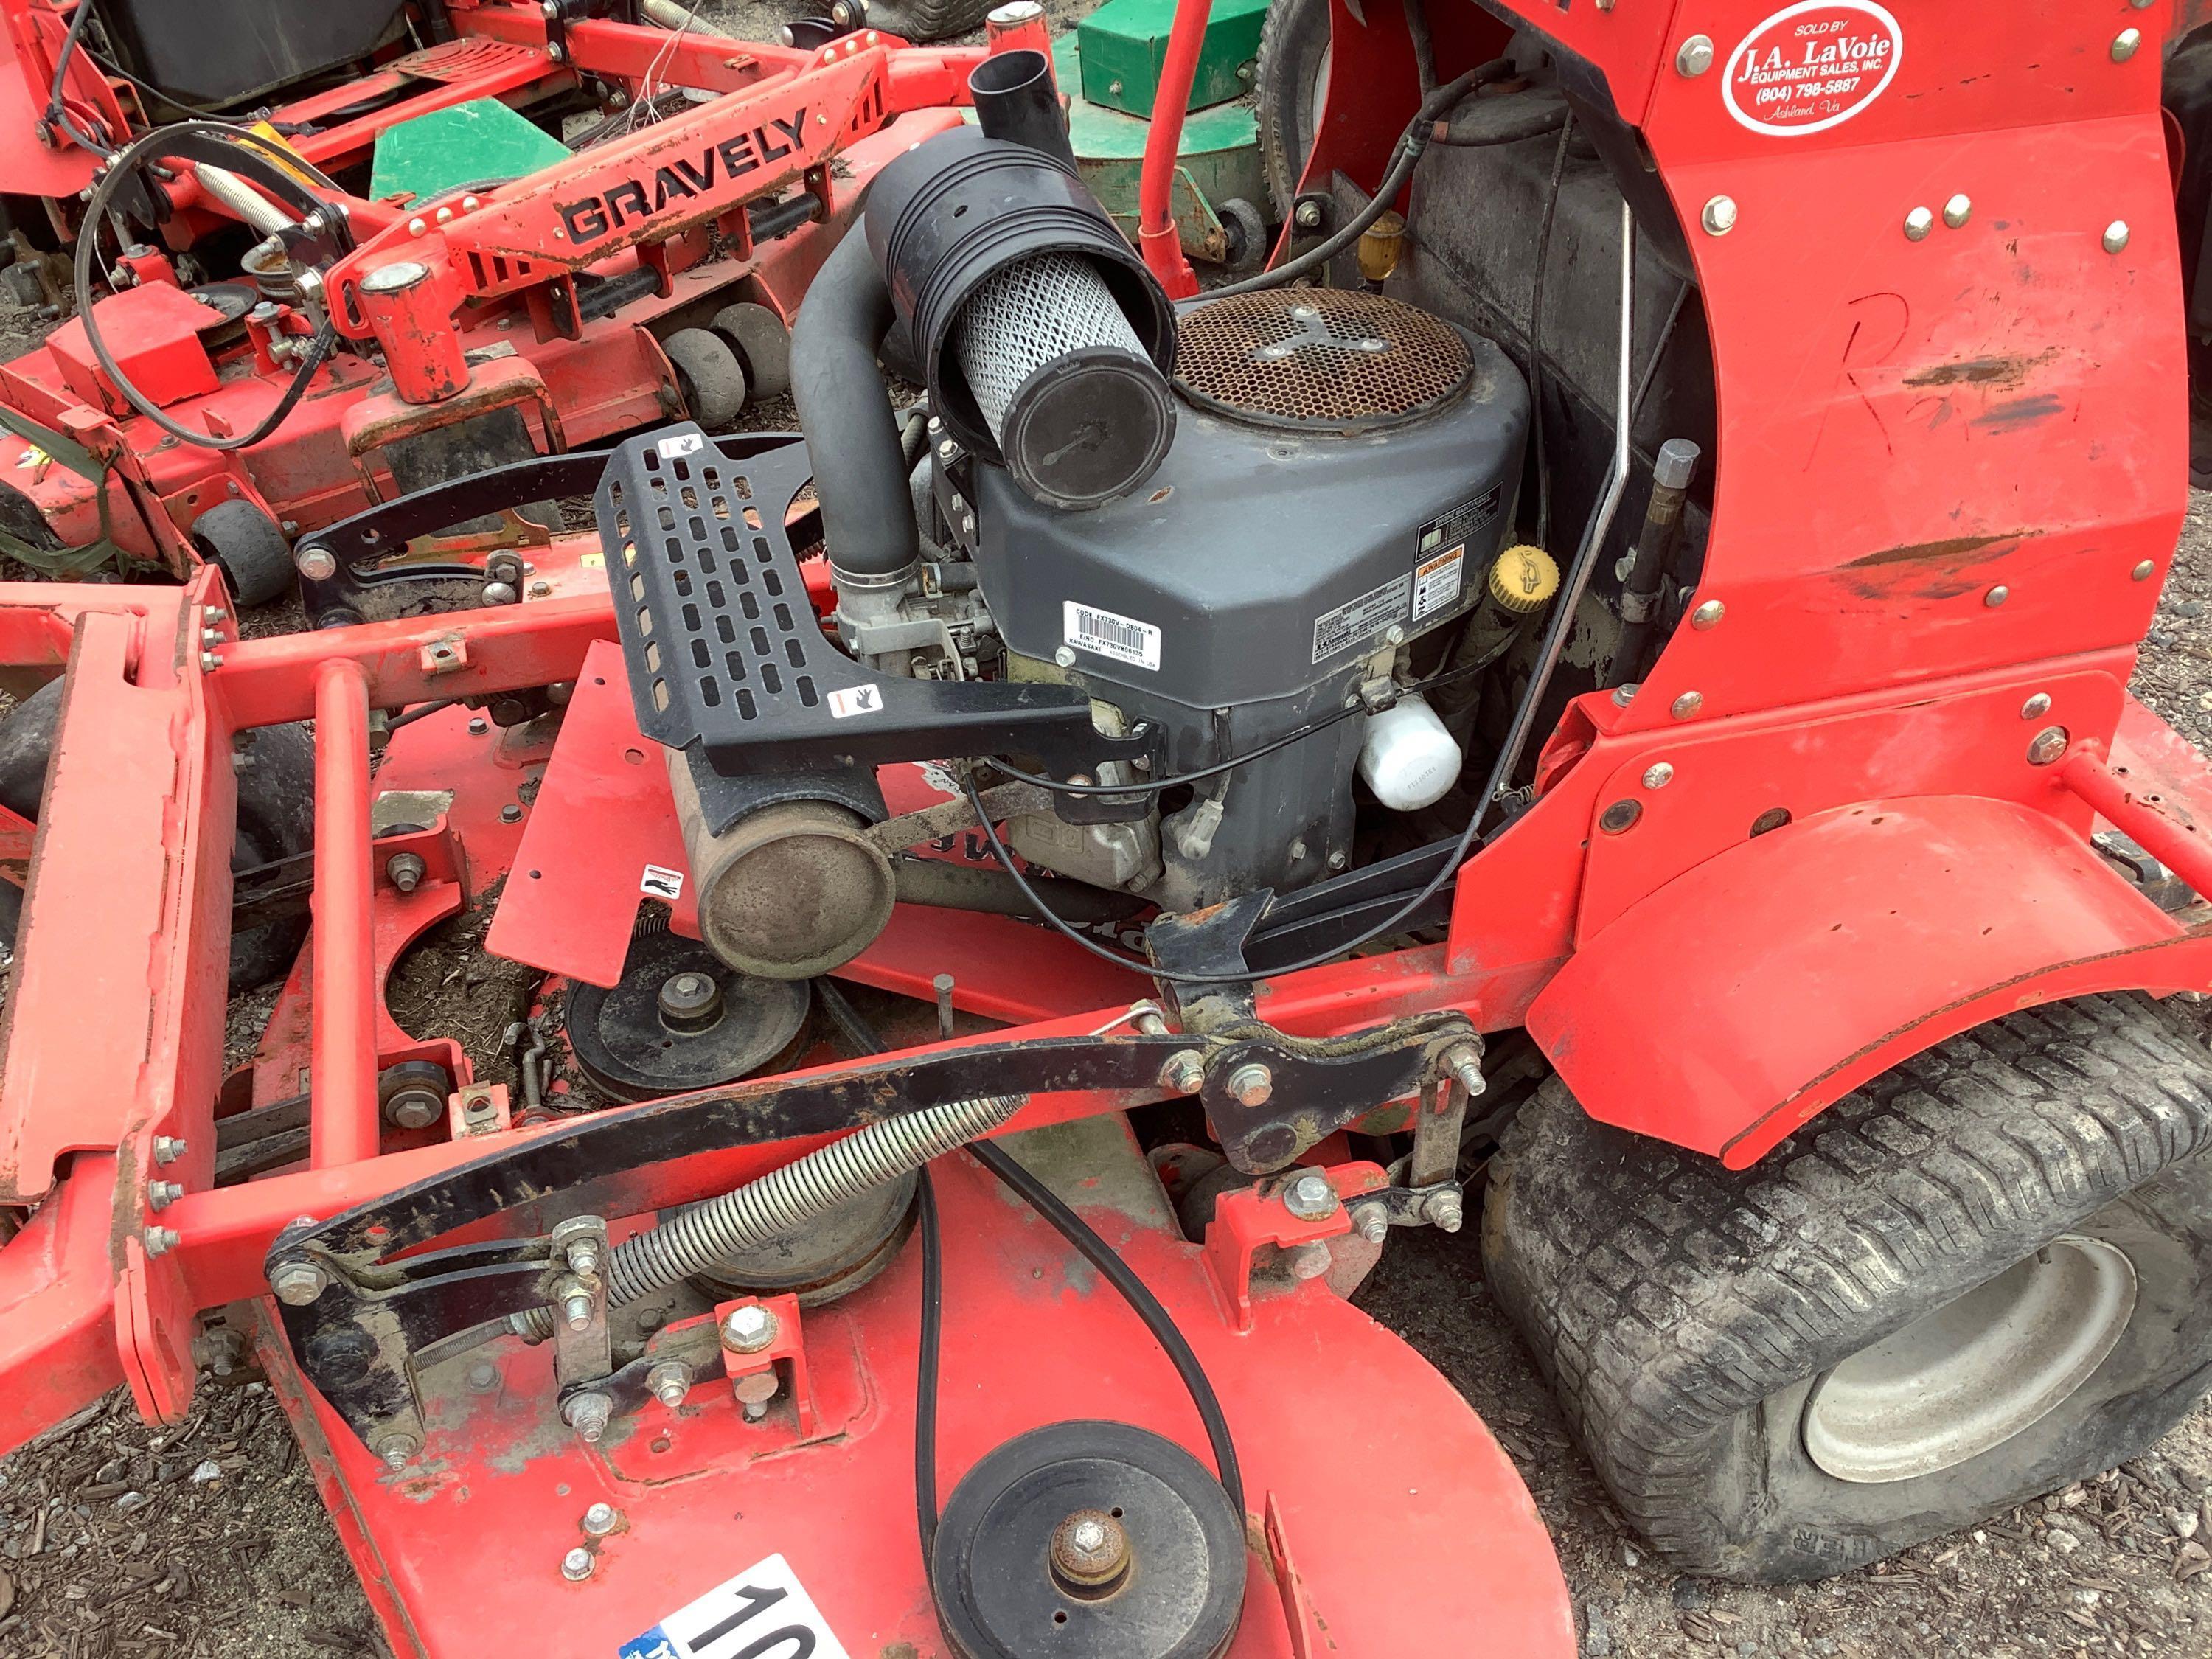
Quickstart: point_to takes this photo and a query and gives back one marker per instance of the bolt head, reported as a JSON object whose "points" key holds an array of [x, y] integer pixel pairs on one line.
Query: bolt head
{"points": [[1307, 1261], [2145, 571], [1252, 1085], [1308, 215], [478, 726], [1918, 224], [1997, 596], [576, 1564], [2036, 707], [159, 1241], [1719, 215], [1658, 775], [1185, 1073], [397, 1450], [2124, 44], [588, 1413], [160, 1195], [298, 1283], [2116, 236], [1372, 1222], [2049, 744], [669, 1381], [1958, 210], [1310, 1197], [748, 1329], [167, 1149], [1065, 656], [1708, 615], [510, 814], [1687, 706], [600, 1518], [499, 593], [1695, 55]]}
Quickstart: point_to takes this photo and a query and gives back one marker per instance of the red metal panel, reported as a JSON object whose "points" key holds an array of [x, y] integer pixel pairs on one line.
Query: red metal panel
{"points": [[57, 1306], [345, 1122], [153, 332], [1738, 1000]]}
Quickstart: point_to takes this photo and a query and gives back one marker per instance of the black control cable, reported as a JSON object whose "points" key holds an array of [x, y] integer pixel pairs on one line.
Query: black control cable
{"points": [[1093, 1248], [57, 114], [103, 193]]}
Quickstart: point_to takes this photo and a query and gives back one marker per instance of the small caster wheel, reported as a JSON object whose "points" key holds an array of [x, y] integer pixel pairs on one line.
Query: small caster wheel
{"points": [[763, 343], [1247, 230], [244, 543], [708, 375]]}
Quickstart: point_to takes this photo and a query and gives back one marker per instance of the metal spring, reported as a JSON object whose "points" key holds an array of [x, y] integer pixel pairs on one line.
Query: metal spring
{"points": [[691, 1239]]}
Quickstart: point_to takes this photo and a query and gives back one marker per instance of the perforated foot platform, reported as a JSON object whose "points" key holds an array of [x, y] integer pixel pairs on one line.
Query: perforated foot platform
{"points": [[724, 651]]}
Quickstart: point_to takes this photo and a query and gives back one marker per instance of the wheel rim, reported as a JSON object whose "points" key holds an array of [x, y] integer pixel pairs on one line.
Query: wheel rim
{"points": [[1971, 1374]]}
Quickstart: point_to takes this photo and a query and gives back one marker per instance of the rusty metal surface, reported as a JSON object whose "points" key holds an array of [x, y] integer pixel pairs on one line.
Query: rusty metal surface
{"points": [[1320, 358]]}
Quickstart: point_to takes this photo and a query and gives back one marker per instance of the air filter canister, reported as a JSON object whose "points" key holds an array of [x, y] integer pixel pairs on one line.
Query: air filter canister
{"points": [[1077, 408], [1044, 341]]}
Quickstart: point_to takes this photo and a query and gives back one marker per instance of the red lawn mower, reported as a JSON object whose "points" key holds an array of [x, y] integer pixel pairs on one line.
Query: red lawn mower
{"points": [[1606, 708]]}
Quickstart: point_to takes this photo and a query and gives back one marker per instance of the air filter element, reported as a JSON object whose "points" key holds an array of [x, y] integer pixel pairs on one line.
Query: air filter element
{"points": [[1080, 412], [1319, 360]]}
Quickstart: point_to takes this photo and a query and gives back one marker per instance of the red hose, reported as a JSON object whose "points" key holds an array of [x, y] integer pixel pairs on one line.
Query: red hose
{"points": [[1156, 237]]}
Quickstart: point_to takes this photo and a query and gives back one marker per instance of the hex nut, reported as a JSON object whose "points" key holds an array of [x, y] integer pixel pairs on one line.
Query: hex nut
{"points": [[588, 1413], [2049, 744], [405, 870], [167, 1149], [1445, 1209], [601, 1518], [1310, 1197], [748, 1329], [1371, 1222], [669, 1381], [1184, 1072], [396, 1448], [1718, 216], [298, 1283]]}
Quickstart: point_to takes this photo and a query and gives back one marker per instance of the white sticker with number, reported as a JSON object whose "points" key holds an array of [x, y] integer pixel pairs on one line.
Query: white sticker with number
{"points": [[765, 1612], [1103, 633]]}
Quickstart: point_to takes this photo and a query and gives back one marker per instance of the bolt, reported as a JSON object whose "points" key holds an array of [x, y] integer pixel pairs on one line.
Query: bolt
{"points": [[1997, 596], [553, 50], [1658, 775], [1307, 216], [210, 661], [1183, 1072], [478, 726], [753, 1392], [499, 593], [2116, 236], [1687, 706], [669, 1381], [316, 563], [159, 1241], [1918, 224], [1624, 695], [211, 637], [213, 613], [2049, 744], [1307, 1261], [600, 1519], [588, 1413], [576, 1564], [1065, 656], [1310, 1197], [1090, 1548], [1338, 859], [1444, 1208], [469, 204], [396, 1448], [1371, 1222], [1393, 635], [406, 870], [510, 814], [539, 589], [167, 1149], [2145, 571], [160, 1195], [1958, 210], [575, 1301], [1464, 1062], [690, 1001], [1696, 55], [584, 1255], [2124, 43], [2036, 707], [748, 1329], [483, 1377], [298, 1283], [947, 449], [1251, 1084], [1708, 615], [1719, 215]]}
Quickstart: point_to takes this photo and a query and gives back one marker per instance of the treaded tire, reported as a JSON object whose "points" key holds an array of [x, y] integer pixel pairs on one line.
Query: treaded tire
{"points": [[1294, 44], [924, 21], [276, 770], [1683, 1312]]}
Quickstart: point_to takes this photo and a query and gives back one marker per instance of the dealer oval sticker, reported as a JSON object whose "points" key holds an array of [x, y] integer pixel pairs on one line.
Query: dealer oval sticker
{"points": [[1812, 67]]}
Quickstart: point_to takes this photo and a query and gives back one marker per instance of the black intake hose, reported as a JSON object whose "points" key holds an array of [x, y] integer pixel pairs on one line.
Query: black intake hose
{"points": [[867, 515]]}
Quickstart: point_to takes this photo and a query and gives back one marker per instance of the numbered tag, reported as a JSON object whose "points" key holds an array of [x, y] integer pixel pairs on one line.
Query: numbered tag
{"points": [[765, 1612]]}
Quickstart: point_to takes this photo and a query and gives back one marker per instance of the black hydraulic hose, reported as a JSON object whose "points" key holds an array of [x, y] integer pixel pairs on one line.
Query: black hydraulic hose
{"points": [[867, 513], [56, 115], [927, 1367]]}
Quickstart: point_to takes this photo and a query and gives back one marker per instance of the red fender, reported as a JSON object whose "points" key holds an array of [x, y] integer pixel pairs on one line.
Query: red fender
{"points": [[1749, 993]]}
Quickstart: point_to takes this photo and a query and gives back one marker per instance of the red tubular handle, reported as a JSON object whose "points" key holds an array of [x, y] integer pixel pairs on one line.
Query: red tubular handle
{"points": [[1156, 237]]}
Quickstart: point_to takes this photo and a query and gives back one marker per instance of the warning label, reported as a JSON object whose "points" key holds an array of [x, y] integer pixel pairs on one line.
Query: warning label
{"points": [[1812, 66], [1371, 612], [1437, 582]]}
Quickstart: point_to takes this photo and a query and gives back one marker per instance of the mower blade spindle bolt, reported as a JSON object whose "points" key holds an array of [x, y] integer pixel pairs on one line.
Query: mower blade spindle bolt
{"points": [[1090, 1548], [588, 1413], [669, 1382], [576, 1564], [1310, 1197], [298, 1283], [406, 870], [167, 1149], [1445, 1208], [601, 1518], [1253, 1085], [1371, 1222], [748, 1329]]}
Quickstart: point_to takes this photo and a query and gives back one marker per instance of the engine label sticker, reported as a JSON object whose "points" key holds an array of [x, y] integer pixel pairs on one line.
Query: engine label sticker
{"points": [[1461, 522], [1437, 581], [1812, 66], [661, 883], [765, 1612], [855, 700], [1371, 612], [1105, 635]]}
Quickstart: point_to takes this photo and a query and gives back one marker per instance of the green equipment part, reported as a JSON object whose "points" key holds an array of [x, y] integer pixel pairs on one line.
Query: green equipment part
{"points": [[1125, 42], [479, 143]]}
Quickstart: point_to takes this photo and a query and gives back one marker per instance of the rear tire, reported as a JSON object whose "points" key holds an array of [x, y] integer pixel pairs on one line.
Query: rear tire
{"points": [[708, 375], [245, 543], [1686, 1314], [1290, 80]]}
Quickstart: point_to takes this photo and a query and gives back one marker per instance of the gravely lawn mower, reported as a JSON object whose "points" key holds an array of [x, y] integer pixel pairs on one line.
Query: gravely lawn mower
{"points": [[1620, 695]]}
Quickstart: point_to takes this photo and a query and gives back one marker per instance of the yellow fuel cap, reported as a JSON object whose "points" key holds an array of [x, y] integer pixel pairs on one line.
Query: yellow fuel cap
{"points": [[1524, 578]]}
